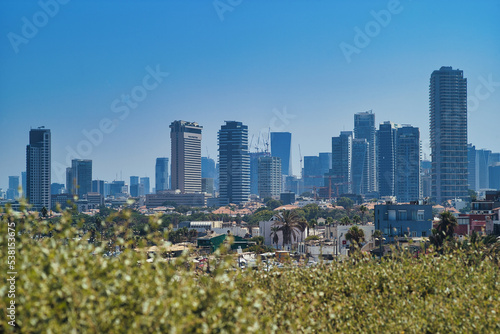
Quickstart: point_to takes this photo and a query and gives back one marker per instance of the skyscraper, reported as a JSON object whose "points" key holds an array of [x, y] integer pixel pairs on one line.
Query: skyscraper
{"points": [[269, 169], [145, 184], [254, 170], [281, 147], [80, 175], [364, 128], [161, 174], [471, 158], [359, 167], [483, 158], [134, 186], [13, 191], [23, 177], [186, 156], [448, 132], [38, 168], [234, 163], [407, 171], [341, 162], [98, 187], [386, 140]]}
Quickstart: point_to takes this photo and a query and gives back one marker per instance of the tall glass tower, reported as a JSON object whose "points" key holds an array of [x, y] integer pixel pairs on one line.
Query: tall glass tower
{"points": [[448, 131], [281, 147], [364, 128], [186, 156], [234, 163], [161, 174], [38, 168], [407, 176]]}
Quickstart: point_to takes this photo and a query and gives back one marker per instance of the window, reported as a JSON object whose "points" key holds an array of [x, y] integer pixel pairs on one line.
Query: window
{"points": [[420, 215], [392, 214], [414, 234], [424, 233], [402, 215]]}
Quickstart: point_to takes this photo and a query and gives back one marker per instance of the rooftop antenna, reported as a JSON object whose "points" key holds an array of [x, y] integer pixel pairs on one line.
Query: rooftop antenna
{"points": [[300, 155], [208, 154]]}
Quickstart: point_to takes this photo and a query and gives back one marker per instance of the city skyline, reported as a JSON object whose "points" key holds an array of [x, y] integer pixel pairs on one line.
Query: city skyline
{"points": [[293, 78]]}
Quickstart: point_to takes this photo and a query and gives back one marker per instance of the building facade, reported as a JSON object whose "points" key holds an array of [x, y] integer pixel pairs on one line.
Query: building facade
{"points": [[341, 162], [186, 156], [386, 140], [281, 147], [234, 163], [399, 220], [269, 170], [407, 172], [38, 168], [448, 132], [364, 128], [161, 174]]}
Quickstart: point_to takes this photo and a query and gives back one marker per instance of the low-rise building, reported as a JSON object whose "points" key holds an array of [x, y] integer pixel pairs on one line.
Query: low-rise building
{"points": [[177, 197], [399, 220]]}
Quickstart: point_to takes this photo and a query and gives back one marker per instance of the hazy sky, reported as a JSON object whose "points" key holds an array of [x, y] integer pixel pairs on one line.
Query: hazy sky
{"points": [[300, 66]]}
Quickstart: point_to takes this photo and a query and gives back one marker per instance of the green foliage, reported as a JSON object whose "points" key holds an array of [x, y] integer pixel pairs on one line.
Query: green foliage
{"points": [[66, 284], [273, 204], [345, 202], [259, 240], [444, 230], [312, 237]]}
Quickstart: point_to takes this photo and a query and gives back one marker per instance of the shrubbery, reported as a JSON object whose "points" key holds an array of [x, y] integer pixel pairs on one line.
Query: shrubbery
{"points": [[66, 284]]}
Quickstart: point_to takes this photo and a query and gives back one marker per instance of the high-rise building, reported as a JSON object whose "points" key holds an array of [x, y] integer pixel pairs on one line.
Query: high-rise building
{"points": [[186, 156], [359, 167], [312, 176], [98, 187], [448, 132], [471, 166], [494, 176], [426, 178], [134, 180], [407, 171], [117, 188], [364, 128], [13, 190], [341, 162], [38, 168], [254, 170], [134, 187], [23, 177], [234, 163], [161, 174], [269, 170], [281, 147], [79, 177], [145, 183], [386, 140], [482, 164], [57, 188]]}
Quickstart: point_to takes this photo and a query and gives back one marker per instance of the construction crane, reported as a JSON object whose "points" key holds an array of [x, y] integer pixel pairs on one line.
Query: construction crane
{"points": [[208, 154], [268, 140]]}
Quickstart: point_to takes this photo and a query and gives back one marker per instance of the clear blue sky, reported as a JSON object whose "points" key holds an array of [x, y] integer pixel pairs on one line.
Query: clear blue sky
{"points": [[264, 57]]}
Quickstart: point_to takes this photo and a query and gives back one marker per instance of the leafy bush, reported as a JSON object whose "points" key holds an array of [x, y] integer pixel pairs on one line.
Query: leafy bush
{"points": [[65, 284]]}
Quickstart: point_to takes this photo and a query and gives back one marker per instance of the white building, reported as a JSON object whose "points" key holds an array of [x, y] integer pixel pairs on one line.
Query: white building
{"points": [[265, 230]]}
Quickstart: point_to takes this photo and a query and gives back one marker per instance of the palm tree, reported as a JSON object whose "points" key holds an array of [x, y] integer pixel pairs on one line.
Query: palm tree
{"points": [[274, 235], [345, 220], [312, 224], [290, 224], [355, 235], [356, 219], [44, 212], [329, 221], [444, 230], [363, 209]]}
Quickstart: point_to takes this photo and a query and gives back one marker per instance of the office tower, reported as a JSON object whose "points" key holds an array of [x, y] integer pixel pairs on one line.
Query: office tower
{"points": [[79, 177], [208, 168], [98, 187], [186, 156], [448, 132], [254, 170], [325, 162], [494, 176], [107, 189], [281, 147], [145, 184], [364, 128], [482, 164], [407, 171], [13, 190], [23, 177], [341, 162], [359, 167], [117, 188], [134, 186], [207, 185], [57, 188], [38, 168], [312, 176], [234, 163], [161, 174], [269, 169], [386, 140], [471, 166], [426, 178]]}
